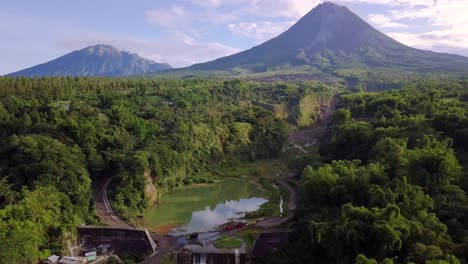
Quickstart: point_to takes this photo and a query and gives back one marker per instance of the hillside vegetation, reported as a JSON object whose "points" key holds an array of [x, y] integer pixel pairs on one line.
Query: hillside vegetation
{"points": [[58, 135], [389, 185]]}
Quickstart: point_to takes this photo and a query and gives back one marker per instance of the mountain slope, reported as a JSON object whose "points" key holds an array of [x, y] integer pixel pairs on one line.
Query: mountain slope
{"points": [[331, 36], [98, 60]]}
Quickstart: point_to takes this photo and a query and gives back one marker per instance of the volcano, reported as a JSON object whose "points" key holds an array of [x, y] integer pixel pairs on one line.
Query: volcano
{"points": [[332, 37], [97, 60]]}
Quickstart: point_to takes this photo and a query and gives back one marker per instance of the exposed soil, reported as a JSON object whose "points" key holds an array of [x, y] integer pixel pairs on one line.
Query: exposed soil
{"points": [[307, 137], [311, 136]]}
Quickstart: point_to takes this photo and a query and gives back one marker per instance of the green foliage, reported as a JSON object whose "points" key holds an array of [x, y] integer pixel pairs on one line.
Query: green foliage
{"points": [[227, 242], [249, 235], [341, 116], [361, 259], [30, 227], [392, 187], [169, 259], [301, 161], [67, 132]]}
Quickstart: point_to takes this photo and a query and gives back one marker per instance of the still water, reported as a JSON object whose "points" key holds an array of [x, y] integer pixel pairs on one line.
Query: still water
{"points": [[203, 208]]}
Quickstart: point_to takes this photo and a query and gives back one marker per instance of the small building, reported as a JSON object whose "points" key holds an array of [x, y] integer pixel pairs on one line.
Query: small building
{"points": [[199, 255], [72, 260], [51, 260], [121, 240]]}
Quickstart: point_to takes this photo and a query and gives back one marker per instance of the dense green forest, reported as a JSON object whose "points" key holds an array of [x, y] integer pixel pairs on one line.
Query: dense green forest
{"points": [[388, 184], [59, 135]]}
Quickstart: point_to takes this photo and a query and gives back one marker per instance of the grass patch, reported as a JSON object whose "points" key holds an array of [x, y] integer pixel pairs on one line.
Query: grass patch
{"points": [[249, 235], [271, 208], [169, 259], [227, 242]]}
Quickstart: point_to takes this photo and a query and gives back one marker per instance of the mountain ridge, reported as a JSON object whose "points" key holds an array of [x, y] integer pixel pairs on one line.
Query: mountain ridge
{"points": [[328, 38], [332, 36], [95, 60]]}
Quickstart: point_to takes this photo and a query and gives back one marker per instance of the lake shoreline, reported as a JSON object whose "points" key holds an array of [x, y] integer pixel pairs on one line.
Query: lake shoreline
{"points": [[204, 207]]}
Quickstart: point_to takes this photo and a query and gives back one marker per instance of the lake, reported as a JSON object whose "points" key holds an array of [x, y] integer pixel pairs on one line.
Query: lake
{"points": [[202, 208]]}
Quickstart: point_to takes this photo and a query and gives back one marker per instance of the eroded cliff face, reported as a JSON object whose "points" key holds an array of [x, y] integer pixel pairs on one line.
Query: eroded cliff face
{"points": [[310, 110], [313, 110], [150, 190]]}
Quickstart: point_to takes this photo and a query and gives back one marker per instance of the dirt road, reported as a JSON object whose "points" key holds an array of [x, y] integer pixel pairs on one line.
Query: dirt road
{"points": [[103, 206], [276, 221]]}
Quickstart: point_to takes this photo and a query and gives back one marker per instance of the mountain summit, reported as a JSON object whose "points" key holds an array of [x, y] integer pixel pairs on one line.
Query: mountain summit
{"points": [[330, 37], [97, 60]]}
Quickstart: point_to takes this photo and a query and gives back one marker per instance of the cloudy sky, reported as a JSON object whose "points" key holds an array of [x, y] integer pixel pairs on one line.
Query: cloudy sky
{"points": [[183, 32]]}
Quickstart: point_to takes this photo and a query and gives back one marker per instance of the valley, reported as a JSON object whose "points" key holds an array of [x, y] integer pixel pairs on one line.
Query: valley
{"points": [[230, 152], [330, 142]]}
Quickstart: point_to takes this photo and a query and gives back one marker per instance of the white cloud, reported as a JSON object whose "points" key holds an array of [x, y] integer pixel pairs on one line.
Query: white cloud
{"points": [[185, 27], [450, 41], [261, 31], [439, 13], [263, 8], [219, 3], [285, 8], [394, 3], [206, 3], [382, 21], [195, 29], [172, 17], [443, 25]]}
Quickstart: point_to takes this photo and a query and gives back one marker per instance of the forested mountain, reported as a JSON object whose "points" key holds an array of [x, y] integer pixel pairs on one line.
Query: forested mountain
{"points": [[97, 60], [331, 37]]}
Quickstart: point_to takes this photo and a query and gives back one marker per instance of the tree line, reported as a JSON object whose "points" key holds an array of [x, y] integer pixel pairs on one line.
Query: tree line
{"points": [[61, 134], [388, 184]]}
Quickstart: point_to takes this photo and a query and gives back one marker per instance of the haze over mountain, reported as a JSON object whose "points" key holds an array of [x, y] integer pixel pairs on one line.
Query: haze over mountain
{"points": [[97, 60], [332, 37]]}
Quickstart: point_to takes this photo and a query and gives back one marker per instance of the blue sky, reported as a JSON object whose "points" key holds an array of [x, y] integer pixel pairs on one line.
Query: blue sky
{"points": [[183, 32]]}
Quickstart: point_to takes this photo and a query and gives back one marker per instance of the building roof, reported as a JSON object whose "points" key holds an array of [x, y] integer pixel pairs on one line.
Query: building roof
{"points": [[53, 258], [72, 260]]}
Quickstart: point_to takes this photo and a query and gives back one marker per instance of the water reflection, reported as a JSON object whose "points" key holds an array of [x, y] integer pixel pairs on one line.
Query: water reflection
{"points": [[208, 219]]}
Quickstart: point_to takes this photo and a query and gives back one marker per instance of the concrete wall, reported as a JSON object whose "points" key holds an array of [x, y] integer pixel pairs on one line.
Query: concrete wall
{"points": [[122, 240]]}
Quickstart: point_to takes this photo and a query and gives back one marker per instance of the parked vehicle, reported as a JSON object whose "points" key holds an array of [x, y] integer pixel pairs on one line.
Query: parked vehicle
{"points": [[229, 227], [191, 236], [240, 225], [233, 226]]}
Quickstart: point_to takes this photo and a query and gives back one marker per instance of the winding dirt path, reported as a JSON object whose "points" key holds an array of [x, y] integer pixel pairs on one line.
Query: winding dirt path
{"points": [[103, 206], [300, 139], [292, 204]]}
